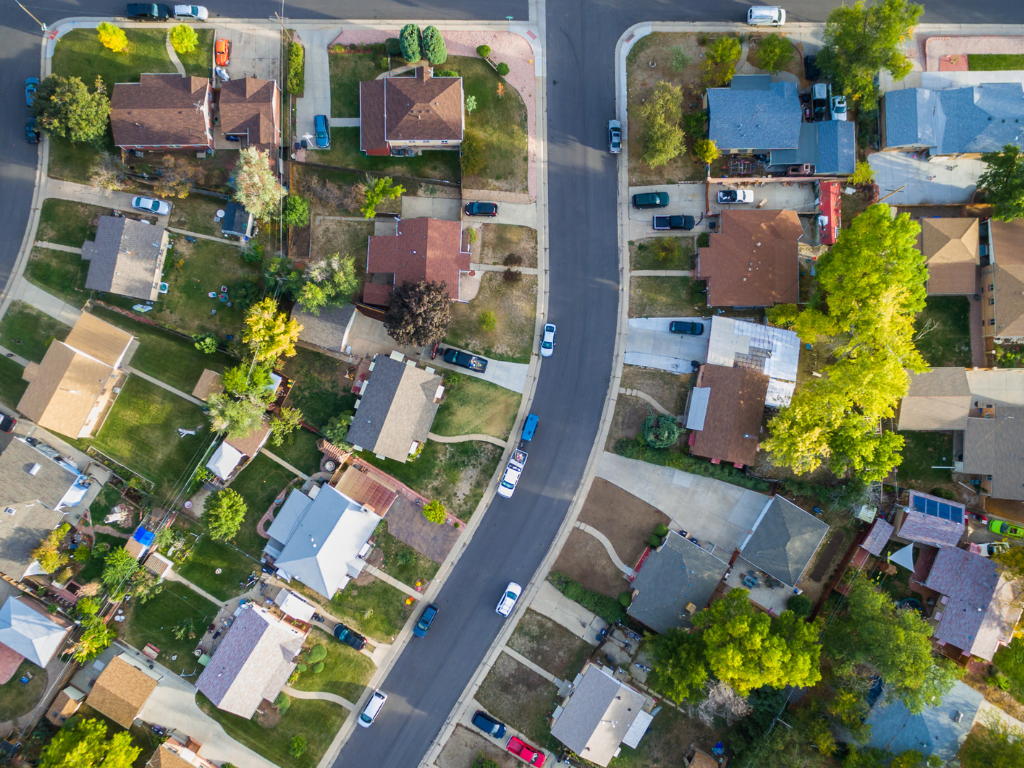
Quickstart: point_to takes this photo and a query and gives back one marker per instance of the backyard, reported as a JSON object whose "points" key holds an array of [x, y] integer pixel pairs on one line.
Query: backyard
{"points": [[349, 238], [345, 154], [12, 386], [662, 253], [550, 646], [473, 407], [499, 241], [376, 609], [299, 449], [259, 483], [667, 741], [60, 273], [514, 309], [666, 297], [156, 621], [68, 223], [922, 453], [348, 70], [520, 697], [319, 388], [195, 213], [28, 332], [400, 560], [215, 566], [346, 671], [16, 697], [944, 327]]}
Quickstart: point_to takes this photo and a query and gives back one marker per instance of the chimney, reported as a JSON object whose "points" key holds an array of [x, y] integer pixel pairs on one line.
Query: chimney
{"points": [[423, 74]]}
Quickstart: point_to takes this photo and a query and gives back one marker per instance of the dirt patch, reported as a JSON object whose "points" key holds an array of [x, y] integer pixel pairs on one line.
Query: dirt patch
{"points": [[668, 740], [349, 238], [629, 415], [1001, 699], [299, 244], [833, 549], [669, 389], [626, 520], [461, 750], [407, 524], [584, 559], [268, 716], [498, 241], [550, 646], [514, 306], [516, 694]]}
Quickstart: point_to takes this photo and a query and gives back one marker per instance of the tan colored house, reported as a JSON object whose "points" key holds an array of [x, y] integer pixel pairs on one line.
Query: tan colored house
{"points": [[1002, 285], [951, 250], [121, 691], [420, 250], [65, 705], [250, 108], [418, 112], [162, 112], [938, 400], [72, 389], [127, 258], [174, 753]]}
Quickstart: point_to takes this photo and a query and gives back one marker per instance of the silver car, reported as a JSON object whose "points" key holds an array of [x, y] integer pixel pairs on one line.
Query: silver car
{"points": [[508, 599], [149, 205], [614, 137], [197, 12]]}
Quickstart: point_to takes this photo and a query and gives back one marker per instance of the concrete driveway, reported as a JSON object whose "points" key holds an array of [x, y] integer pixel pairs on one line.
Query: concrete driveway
{"points": [[649, 344], [444, 208], [508, 375], [943, 182], [316, 96], [685, 199], [254, 53], [798, 197], [523, 214]]}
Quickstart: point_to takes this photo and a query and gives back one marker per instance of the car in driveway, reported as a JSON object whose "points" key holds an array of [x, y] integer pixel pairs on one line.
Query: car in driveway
{"points": [[686, 327], [465, 360], [149, 205], [650, 200], [614, 137], [349, 637], [482, 209], [323, 132], [998, 526], [508, 599], [488, 724], [31, 131], [426, 619], [150, 11], [547, 342], [31, 84], [197, 12], [525, 752], [7, 423], [674, 222], [839, 108], [223, 51], [372, 708], [727, 196]]}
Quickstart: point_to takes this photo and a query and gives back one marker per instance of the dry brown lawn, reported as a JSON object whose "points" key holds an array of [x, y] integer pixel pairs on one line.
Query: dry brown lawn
{"points": [[666, 297], [332, 236], [514, 306], [629, 414], [461, 750], [519, 696], [584, 559], [550, 646], [669, 389], [626, 520], [500, 240]]}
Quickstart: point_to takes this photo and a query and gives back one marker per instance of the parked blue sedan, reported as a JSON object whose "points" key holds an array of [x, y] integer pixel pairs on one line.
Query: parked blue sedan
{"points": [[31, 84], [420, 630]]}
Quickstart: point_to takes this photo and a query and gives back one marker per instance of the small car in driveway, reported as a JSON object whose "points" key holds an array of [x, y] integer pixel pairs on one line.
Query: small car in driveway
{"points": [[31, 84], [322, 131], [508, 599], [149, 205], [614, 137], [488, 724], [482, 209], [372, 708], [197, 12], [7, 423], [348, 637], [31, 131], [650, 200], [547, 342], [998, 526], [525, 752], [223, 51], [735, 196], [686, 327], [420, 630], [150, 11], [465, 360], [839, 108]]}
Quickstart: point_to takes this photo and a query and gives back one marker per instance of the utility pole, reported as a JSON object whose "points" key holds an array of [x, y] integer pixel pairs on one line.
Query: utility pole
{"points": [[26, 10]]}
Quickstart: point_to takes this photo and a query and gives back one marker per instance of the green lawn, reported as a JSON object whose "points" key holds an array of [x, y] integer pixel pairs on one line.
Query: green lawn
{"points": [[155, 621], [946, 322], [316, 721], [141, 432], [195, 213], [62, 274], [76, 162], [199, 61], [348, 69], [12, 386], [35, 330], [662, 253], [402, 561], [93, 569], [208, 556], [345, 153], [17, 698], [921, 452], [259, 483], [109, 497], [68, 223], [376, 609], [166, 355], [346, 671], [317, 391], [665, 297], [1010, 661], [472, 406], [993, 62], [79, 53], [299, 449]]}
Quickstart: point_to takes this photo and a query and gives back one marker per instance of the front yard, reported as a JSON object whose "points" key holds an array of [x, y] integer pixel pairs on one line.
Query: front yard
{"points": [[514, 305], [60, 273], [345, 154], [499, 241], [28, 332], [550, 645], [376, 609], [400, 560], [663, 253], [475, 407], [12, 386], [346, 671], [259, 483], [155, 621], [520, 697], [670, 390], [65, 222], [666, 297], [348, 70], [945, 328]]}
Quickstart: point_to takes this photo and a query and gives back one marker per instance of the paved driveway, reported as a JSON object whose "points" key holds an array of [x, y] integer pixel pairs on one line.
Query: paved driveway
{"points": [[683, 199], [254, 52], [649, 344], [316, 96], [523, 214], [508, 375], [942, 182], [444, 208], [798, 197]]}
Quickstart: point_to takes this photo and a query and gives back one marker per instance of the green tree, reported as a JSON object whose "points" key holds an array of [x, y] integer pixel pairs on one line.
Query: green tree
{"points": [[488, 321], [238, 418], [183, 38], [861, 39], [296, 211], [706, 151], [118, 569], [144, 586], [993, 744], [863, 173], [296, 69], [1003, 182], [337, 428], [64, 107], [269, 333], [83, 743], [774, 53], [1011, 563], [434, 50], [87, 606], [800, 605], [410, 42], [256, 185], [659, 430], [662, 136], [419, 314], [470, 104], [720, 62], [329, 282], [435, 512], [247, 379], [205, 342], [112, 37], [297, 746], [223, 513], [48, 554], [377, 191], [95, 639], [284, 423], [679, 669]]}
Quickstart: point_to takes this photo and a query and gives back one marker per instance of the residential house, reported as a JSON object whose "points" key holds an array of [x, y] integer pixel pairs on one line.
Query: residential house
{"points": [[28, 632], [252, 663], [122, 690], [930, 521], [673, 582], [775, 352], [250, 109], [782, 541], [600, 714], [725, 412], [319, 539], [955, 121], [752, 261], [126, 258], [234, 453], [993, 443], [396, 408], [72, 389], [36, 490], [938, 400], [162, 112], [409, 113], [327, 332], [1002, 285], [952, 251], [175, 753], [65, 705], [236, 222], [829, 147], [421, 250]]}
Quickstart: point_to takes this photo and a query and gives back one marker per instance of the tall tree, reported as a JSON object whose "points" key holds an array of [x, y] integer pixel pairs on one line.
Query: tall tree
{"points": [[83, 743], [247, 379], [64, 107], [679, 668], [256, 185], [287, 421], [269, 333], [993, 744], [1003, 181], [419, 313], [434, 50], [377, 191], [410, 43], [118, 568], [238, 418], [662, 136], [96, 637], [329, 282], [223, 513], [862, 39]]}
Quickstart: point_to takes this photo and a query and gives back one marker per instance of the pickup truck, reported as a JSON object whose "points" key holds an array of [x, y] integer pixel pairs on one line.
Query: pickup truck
{"points": [[513, 471], [673, 222], [525, 752], [735, 196], [820, 95], [465, 360]]}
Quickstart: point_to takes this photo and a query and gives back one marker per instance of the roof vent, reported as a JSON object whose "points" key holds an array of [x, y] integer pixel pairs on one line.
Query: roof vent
{"points": [[34, 469], [9, 510]]}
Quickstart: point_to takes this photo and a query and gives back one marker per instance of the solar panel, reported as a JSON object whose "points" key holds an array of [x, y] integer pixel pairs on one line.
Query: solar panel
{"points": [[938, 509]]}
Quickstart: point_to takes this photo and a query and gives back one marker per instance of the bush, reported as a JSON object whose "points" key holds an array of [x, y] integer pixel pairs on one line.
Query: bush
{"points": [[301, 667], [660, 430], [694, 124], [317, 653], [253, 253], [503, 69], [392, 47], [679, 59], [473, 157], [998, 680], [863, 173], [800, 605], [511, 276], [411, 44], [384, 63], [435, 512], [297, 746], [774, 53], [625, 598], [512, 260], [943, 493], [654, 540], [296, 69], [703, 239], [706, 151], [450, 73], [608, 608], [488, 321], [317, 668], [183, 38], [296, 211], [483, 51], [661, 530], [206, 343], [282, 702], [434, 50]]}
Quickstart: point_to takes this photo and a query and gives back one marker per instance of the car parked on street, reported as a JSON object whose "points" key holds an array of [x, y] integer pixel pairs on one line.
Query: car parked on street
{"points": [[998, 526], [993, 548], [223, 51], [7, 423], [547, 342], [839, 108], [686, 327], [148, 11], [197, 12], [426, 619], [513, 471], [31, 84], [727, 196], [614, 137], [372, 708], [323, 132], [674, 222], [508, 599], [525, 752], [149, 205], [650, 200], [488, 724], [482, 209], [348, 637], [465, 360], [32, 135]]}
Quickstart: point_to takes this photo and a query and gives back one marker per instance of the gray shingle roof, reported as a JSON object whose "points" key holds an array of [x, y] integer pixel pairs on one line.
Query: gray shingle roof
{"points": [[328, 329], [784, 540], [837, 147], [126, 258], [754, 114], [237, 221], [994, 447], [934, 731]]}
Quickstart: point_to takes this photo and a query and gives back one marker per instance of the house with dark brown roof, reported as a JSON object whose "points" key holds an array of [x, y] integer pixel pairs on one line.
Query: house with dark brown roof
{"points": [[126, 258], [122, 690], [725, 413], [162, 112], [251, 110], [418, 112], [174, 753], [1002, 285], [951, 250], [420, 250], [752, 260]]}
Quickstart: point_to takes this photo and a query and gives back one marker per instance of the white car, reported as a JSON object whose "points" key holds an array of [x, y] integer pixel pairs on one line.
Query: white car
{"points": [[372, 708], [197, 12], [514, 470], [508, 600], [839, 108], [547, 342], [149, 205], [727, 196]]}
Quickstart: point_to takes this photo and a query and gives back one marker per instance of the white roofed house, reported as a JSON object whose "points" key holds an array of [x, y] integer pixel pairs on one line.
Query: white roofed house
{"points": [[774, 352], [28, 632]]}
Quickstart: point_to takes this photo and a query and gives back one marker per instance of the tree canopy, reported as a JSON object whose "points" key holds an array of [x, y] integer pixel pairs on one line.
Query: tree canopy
{"points": [[330, 282], [377, 191], [419, 314], [256, 185], [238, 417], [269, 333], [83, 743], [680, 668], [993, 744], [223, 513], [48, 553], [409, 41], [183, 38], [1003, 182], [662, 135], [64, 107], [284, 423], [434, 49], [118, 568], [112, 37]]}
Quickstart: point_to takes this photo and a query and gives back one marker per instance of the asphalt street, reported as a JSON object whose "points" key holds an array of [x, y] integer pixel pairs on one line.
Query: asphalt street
{"points": [[515, 534]]}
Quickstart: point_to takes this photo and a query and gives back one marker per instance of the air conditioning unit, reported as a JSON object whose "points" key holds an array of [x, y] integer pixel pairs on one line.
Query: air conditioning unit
{"points": [[9, 510]]}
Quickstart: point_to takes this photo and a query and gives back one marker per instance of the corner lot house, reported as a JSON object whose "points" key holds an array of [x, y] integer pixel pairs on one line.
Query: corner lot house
{"points": [[428, 250], [27, 631], [250, 109], [126, 258], [410, 113], [71, 391], [162, 112], [122, 690]]}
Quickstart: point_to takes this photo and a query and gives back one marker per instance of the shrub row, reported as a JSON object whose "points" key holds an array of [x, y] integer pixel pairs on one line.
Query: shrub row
{"points": [[608, 608], [296, 69]]}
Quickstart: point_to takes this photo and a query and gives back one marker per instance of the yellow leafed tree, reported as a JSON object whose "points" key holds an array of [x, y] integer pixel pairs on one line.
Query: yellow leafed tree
{"points": [[270, 334]]}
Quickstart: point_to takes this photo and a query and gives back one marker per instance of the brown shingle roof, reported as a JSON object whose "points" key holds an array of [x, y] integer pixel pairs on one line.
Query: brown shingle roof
{"points": [[423, 108], [950, 248], [734, 414], [366, 489], [249, 107], [423, 249], [209, 384], [752, 260], [250, 444], [121, 692], [66, 704], [371, 117], [126, 258], [165, 758], [161, 111]]}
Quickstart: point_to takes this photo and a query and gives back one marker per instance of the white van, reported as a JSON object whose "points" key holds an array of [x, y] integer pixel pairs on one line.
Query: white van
{"points": [[766, 16], [372, 709]]}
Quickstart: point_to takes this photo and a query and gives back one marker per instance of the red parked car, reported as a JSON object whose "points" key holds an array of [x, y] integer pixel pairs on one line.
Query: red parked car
{"points": [[525, 752], [223, 50]]}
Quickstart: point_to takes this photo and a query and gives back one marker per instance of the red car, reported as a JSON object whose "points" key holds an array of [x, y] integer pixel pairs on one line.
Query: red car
{"points": [[525, 752], [222, 50]]}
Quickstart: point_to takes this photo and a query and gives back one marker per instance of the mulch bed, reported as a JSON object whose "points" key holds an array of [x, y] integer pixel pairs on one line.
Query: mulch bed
{"points": [[625, 519]]}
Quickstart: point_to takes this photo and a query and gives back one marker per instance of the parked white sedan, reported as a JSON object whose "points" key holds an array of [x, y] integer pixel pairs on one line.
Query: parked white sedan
{"points": [[547, 342], [197, 12], [149, 205], [508, 599]]}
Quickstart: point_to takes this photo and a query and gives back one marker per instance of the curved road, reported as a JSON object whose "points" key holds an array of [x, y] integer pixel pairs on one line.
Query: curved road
{"points": [[514, 535]]}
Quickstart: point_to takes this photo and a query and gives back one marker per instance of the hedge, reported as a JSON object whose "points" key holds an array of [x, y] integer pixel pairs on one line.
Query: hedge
{"points": [[296, 69], [634, 449], [608, 608]]}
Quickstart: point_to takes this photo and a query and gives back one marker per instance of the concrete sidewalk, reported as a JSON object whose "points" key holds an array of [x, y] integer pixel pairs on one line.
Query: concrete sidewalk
{"points": [[551, 603], [45, 302], [283, 463]]}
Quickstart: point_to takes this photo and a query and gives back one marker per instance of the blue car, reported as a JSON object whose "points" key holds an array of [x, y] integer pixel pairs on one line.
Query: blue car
{"points": [[420, 630], [323, 134], [488, 724], [31, 84]]}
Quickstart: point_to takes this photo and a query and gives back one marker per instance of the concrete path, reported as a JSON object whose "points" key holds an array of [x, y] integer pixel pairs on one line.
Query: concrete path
{"points": [[942, 182], [607, 544], [14, 356], [225, 240], [532, 666], [173, 55], [649, 344], [523, 214], [467, 438], [316, 95], [508, 375], [343, 122], [401, 586], [57, 247], [284, 463], [647, 399], [661, 273], [502, 268], [444, 208], [165, 385], [171, 575], [321, 695], [45, 302], [554, 605]]}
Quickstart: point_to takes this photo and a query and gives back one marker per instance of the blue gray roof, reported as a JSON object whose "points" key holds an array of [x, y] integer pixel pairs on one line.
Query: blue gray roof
{"points": [[784, 540], [933, 732], [754, 113], [979, 118], [830, 146]]}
